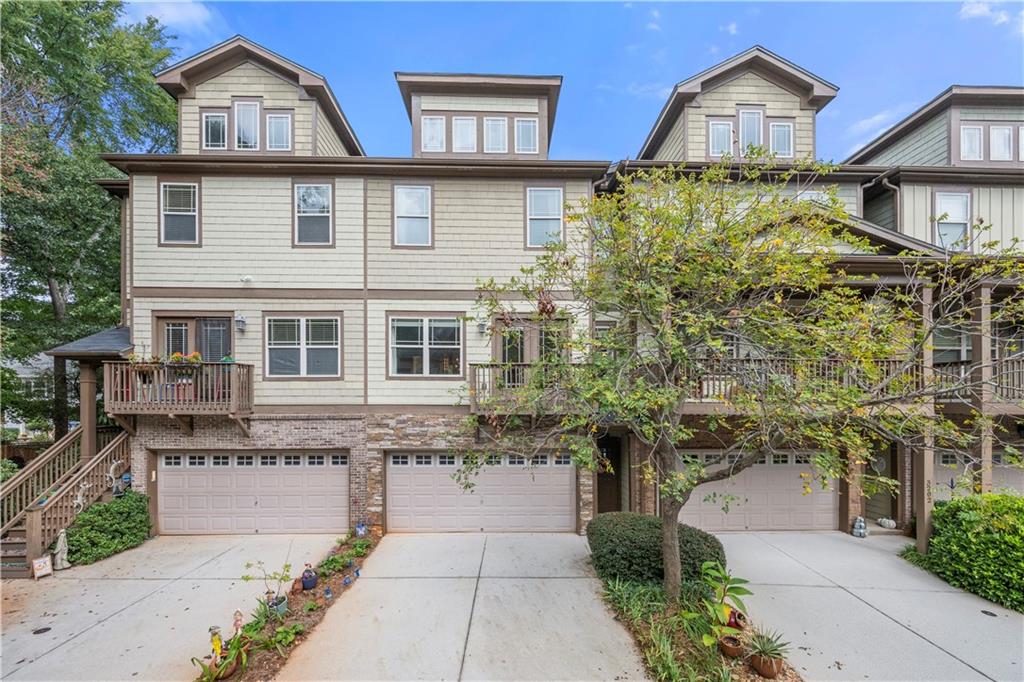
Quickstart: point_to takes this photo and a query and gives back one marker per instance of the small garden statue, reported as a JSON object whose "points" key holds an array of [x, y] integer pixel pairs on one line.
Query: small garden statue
{"points": [[114, 481], [236, 625], [361, 530], [886, 522], [309, 578], [860, 529], [60, 553], [216, 644], [79, 503]]}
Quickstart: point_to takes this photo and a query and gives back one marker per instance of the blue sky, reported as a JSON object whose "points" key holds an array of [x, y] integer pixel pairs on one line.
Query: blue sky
{"points": [[620, 59]]}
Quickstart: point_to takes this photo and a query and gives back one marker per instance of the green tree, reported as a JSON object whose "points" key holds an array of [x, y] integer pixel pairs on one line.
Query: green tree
{"points": [[77, 81], [722, 285]]}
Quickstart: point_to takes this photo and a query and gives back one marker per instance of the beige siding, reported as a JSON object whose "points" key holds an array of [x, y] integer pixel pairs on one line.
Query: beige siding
{"points": [[248, 345], [521, 105], [478, 232], [327, 141], [247, 232], [246, 80], [926, 146], [1001, 207], [748, 88], [674, 146]]}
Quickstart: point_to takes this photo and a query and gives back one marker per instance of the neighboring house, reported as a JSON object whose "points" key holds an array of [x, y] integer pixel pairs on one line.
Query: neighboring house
{"points": [[337, 286]]}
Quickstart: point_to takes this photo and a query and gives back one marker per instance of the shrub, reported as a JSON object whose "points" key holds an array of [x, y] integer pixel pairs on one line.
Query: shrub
{"points": [[8, 469], [107, 528], [628, 546], [978, 545]]}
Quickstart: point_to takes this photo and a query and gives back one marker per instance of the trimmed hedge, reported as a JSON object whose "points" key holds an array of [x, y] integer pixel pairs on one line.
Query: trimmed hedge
{"points": [[628, 546], [978, 545], [107, 528]]}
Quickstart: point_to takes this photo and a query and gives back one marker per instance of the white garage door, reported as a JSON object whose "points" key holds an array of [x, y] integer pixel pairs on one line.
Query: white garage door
{"points": [[767, 496], [252, 492], [950, 472], [508, 496]]}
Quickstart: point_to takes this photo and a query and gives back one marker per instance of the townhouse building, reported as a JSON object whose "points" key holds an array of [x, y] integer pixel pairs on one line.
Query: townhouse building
{"points": [[331, 294]]}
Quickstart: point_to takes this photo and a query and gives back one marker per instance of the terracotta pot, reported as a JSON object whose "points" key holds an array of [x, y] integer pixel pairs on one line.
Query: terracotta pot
{"points": [[228, 671], [737, 619], [766, 667], [730, 646]]}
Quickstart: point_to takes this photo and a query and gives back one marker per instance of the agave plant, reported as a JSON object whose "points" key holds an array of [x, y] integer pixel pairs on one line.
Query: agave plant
{"points": [[768, 644]]}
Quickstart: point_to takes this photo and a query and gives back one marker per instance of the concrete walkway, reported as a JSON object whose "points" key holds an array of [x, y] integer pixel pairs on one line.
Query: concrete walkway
{"points": [[854, 610], [470, 607], [140, 615]]}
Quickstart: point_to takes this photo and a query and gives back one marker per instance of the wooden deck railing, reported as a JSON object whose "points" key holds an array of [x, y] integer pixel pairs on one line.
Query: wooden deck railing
{"points": [[46, 519], [213, 388], [1009, 380]]}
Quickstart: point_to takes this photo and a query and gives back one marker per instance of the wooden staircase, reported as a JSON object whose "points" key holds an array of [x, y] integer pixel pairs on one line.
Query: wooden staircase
{"points": [[40, 500]]}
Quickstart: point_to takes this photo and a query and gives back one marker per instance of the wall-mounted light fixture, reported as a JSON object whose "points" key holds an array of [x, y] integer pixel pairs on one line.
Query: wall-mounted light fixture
{"points": [[481, 327], [239, 323]]}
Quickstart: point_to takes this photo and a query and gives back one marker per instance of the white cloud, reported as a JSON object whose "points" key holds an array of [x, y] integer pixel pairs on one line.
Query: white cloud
{"points": [[713, 49], [639, 90], [876, 123], [653, 24], [732, 28], [976, 9], [184, 17], [656, 13]]}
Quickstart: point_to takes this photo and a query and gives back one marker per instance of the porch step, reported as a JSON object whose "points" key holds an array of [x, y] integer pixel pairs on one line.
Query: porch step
{"points": [[16, 533], [14, 570], [13, 551]]}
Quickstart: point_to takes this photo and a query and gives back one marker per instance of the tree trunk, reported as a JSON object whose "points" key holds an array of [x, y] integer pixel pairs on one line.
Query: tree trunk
{"points": [[670, 546], [60, 367]]}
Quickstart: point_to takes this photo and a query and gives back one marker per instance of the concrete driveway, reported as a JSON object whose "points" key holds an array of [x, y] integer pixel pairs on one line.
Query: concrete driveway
{"points": [[854, 610], [471, 607], [140, 615]]}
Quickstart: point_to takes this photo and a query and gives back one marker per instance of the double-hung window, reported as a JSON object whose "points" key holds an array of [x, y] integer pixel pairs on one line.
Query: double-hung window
{"points": [[1000, 143], [953, 219], [543, 216], [719, 138], [247, 126], [179, 213], [432, 134], [279, 132], [495, 135], [526, 136], [464, 134], [971, 143], [215, 131], [781, 139], [313, 214], [303, 346], [750, 129], [210, 336], [426, 346], [412, 216]]}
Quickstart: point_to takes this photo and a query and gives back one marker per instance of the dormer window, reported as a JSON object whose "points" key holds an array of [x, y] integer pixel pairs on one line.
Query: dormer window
{"points": [[215, 131], [464, 134], [970, 143], [526, 136], [247, 126], [720, 138], [279, 132], [751, 123], [495, 135], [781, 139], [432, 134], [1000, 143]]}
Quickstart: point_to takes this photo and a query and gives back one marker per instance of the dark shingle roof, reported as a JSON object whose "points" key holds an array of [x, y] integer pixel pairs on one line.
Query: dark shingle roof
{"points": [[112, 342]]}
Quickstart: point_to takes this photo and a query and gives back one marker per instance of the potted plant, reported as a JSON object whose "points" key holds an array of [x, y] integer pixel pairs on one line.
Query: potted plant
{"points": [[767, 651], [722, 608], [730, 646], [276, 602]]}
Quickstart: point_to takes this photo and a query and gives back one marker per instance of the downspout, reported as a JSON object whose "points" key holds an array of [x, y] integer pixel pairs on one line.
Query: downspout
{"points": [[884, 180]]}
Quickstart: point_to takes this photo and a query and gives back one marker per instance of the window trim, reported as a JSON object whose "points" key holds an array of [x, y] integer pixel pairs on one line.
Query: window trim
{"points": [[179, 180], [981, 141], [285, 114], [460, 316], [302, 316], [504, 146], [1020, 143], [429, 186], [964, 191], [712, 122], [158, 318], [536, 125], [258, 102], [792, 138], [740, 111], [203, 115], [991, 146], [526, 213], [296, 183], [476, 129], [444, 134]]}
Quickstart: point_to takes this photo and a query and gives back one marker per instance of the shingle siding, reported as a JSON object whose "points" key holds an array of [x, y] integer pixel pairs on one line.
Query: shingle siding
{"points": [[926, 146]]}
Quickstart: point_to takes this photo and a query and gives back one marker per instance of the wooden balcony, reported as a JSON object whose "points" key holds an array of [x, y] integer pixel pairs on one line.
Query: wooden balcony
{"points": [[179, 390], [1007, 389]]}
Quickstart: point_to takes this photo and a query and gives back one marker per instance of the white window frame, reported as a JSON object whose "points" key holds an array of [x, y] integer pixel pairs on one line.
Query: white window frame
{"points": [[425, 346], [302, 345], [234, 142], [967, 218], [329, 214], [423, 138], [760, 128], [214, 114], [430, 221], [981, 142], [1020, 143], [194, 212], [792, 138], [456, 120], [711, 138], [530, 216], [504, 137], [288, 135], [992, 146], [536, 136]]}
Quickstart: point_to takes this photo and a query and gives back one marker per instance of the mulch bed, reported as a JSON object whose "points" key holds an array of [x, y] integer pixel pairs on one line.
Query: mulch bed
{"points": [[264, 664]]}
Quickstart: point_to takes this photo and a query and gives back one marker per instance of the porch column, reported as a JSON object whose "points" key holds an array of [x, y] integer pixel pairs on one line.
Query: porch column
{"points": [[982, 379], [924, 480], [851, 495], [87, 408]]}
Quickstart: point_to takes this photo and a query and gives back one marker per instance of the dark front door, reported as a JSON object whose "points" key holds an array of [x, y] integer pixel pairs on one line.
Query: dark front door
{"points": [[609, 486]]}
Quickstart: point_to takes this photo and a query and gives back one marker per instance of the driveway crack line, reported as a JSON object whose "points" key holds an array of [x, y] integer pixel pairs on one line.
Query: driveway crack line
{"points": [[875, 608], [472, 608]]}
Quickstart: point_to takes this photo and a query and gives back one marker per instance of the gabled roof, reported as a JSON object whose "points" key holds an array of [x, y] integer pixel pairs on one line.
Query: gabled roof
{"points": [[955, 94], [109, 343], [815, 91], [180, 78], [480, 84]]}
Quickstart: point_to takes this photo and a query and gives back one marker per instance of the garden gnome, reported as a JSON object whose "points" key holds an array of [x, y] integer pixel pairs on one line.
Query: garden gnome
{"points": [[60, 554], [216, 644]]}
